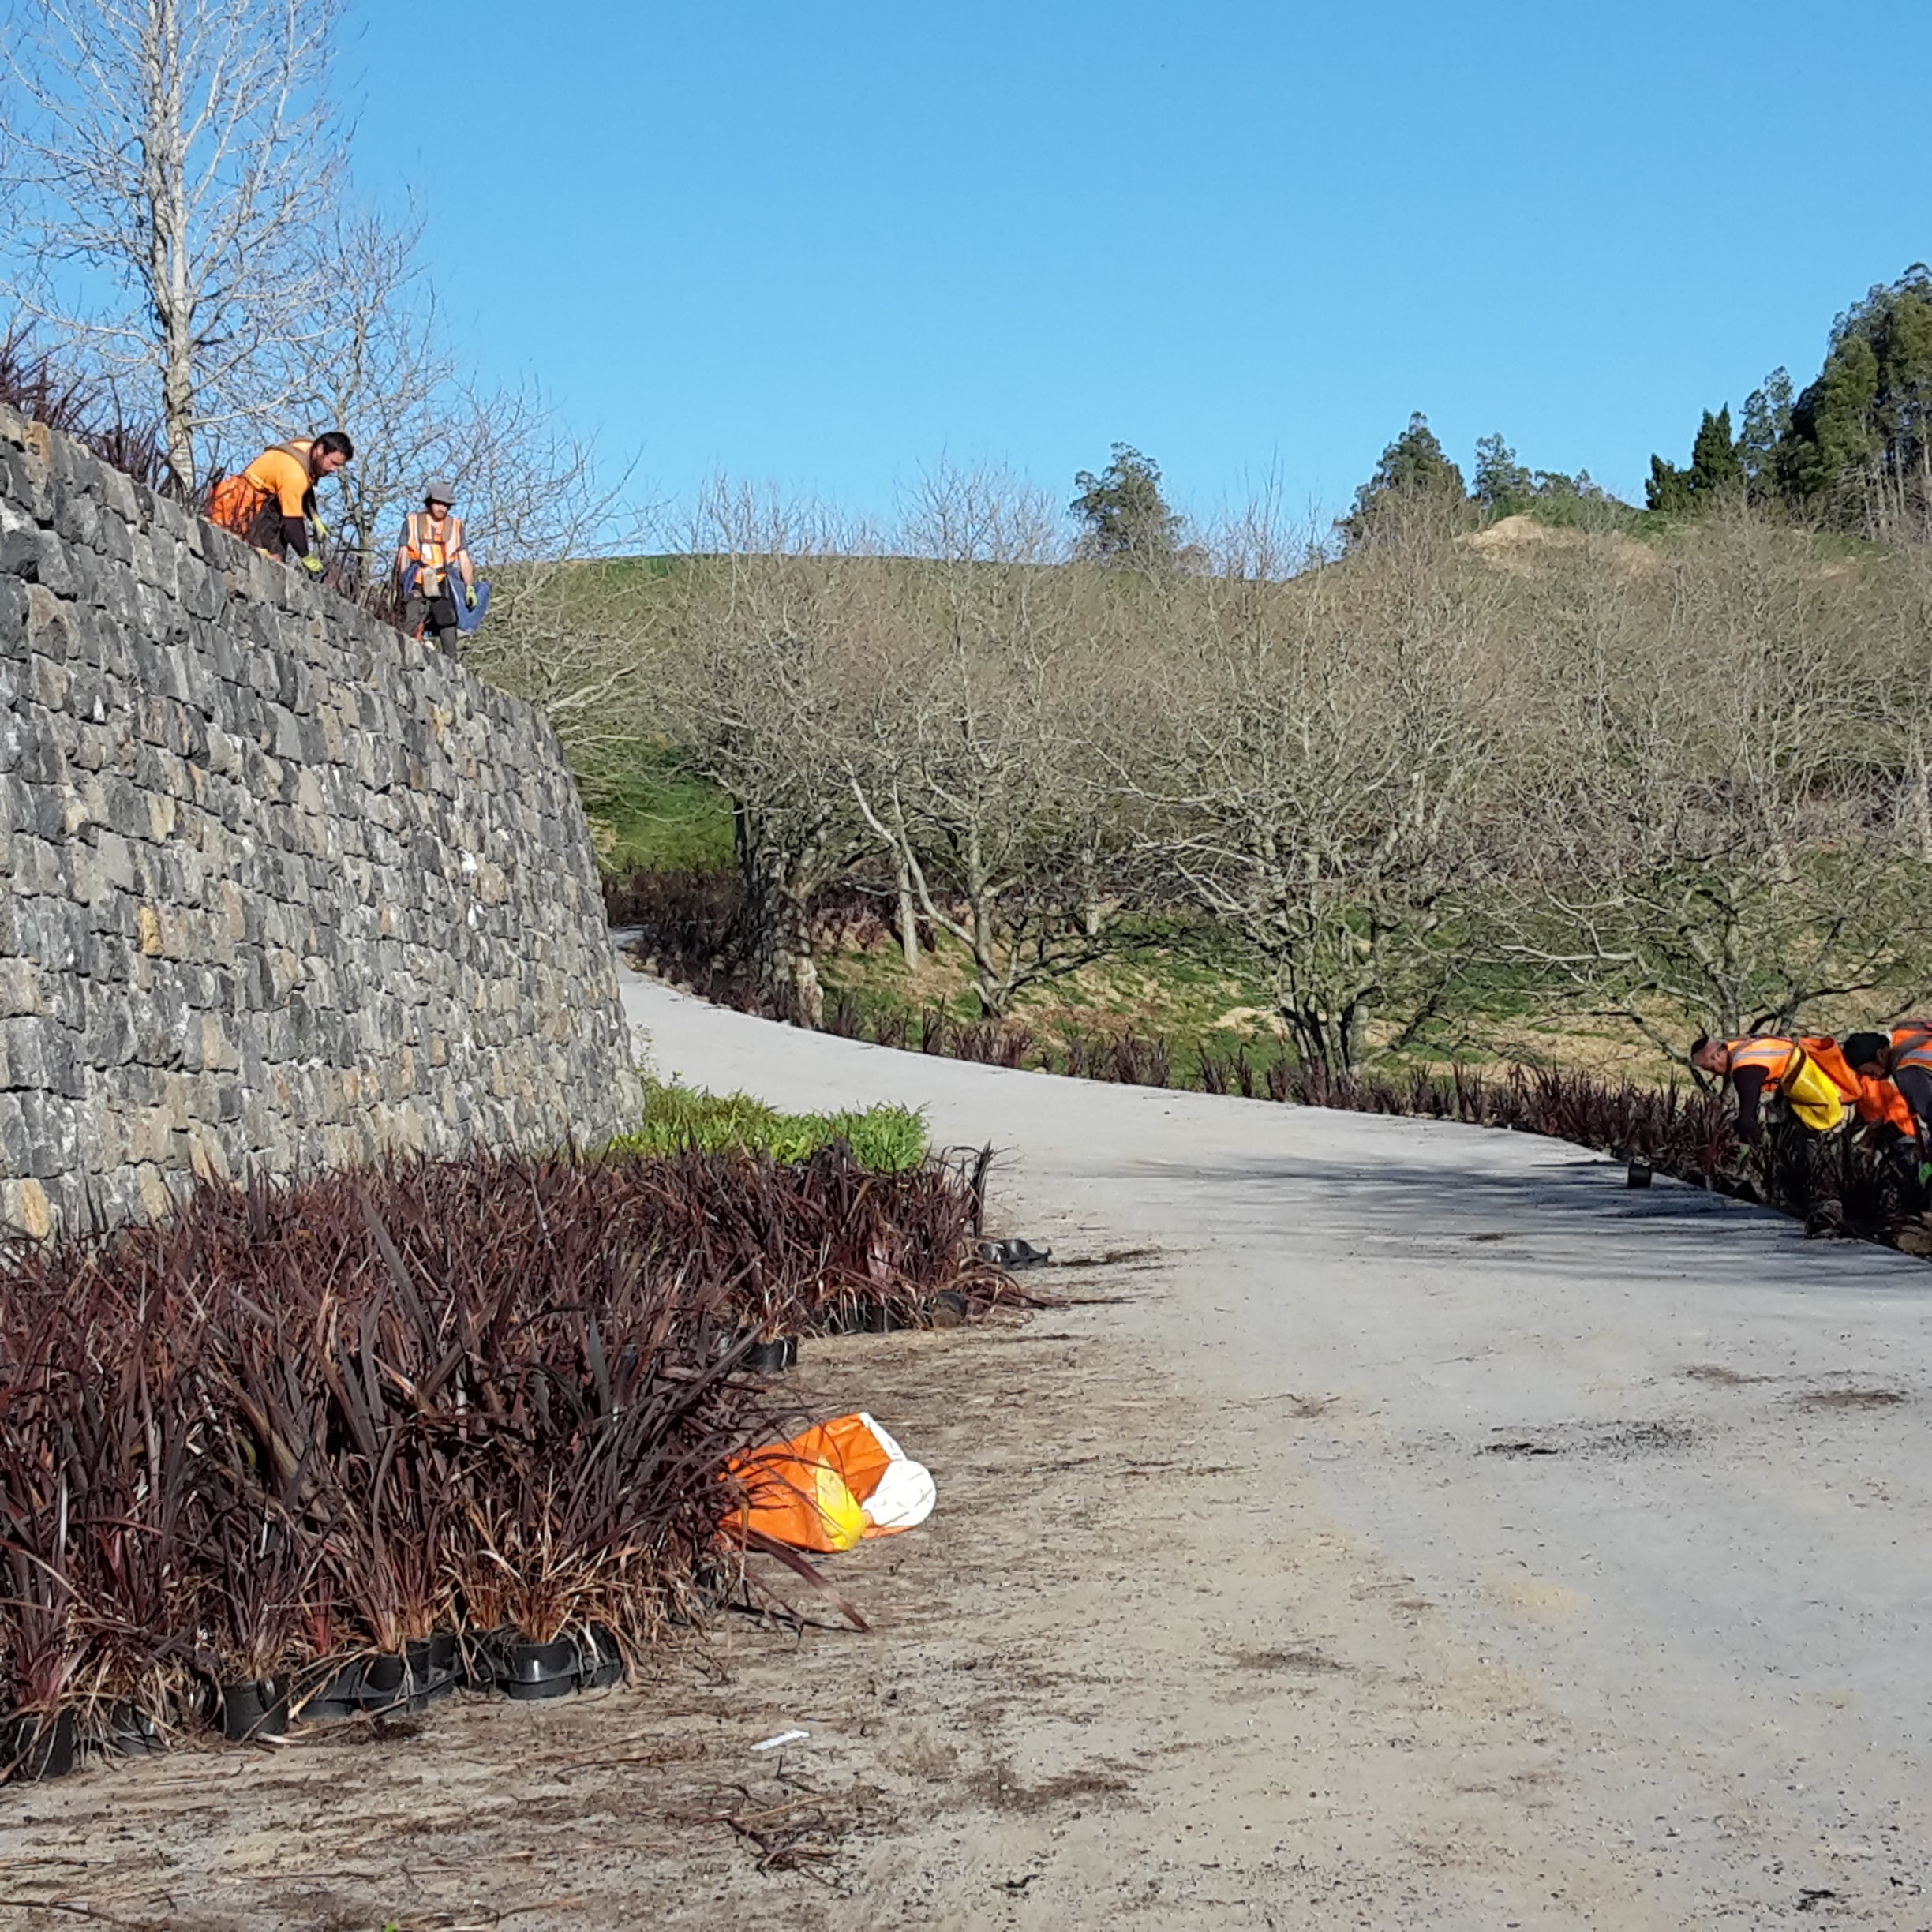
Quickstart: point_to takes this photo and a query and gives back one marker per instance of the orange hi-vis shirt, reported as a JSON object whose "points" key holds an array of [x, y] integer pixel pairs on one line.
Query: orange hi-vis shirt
{"points": [[283, 473]]}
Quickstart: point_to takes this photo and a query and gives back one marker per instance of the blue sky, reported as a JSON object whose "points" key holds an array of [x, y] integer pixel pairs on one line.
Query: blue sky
{"points": [[822, 244]]}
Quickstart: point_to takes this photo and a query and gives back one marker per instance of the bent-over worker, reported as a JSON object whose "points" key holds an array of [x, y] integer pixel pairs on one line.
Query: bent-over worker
{"points": [[432, 550], [1766, 1066], [1903, 1060], [271, 503]]}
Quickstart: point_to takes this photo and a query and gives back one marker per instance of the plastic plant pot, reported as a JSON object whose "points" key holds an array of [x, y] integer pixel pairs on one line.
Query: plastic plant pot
{"points": [[601, 1662], [875, 1318], [1639, 1175], [531, 1673], [478, 1659], [948, 1309], [338, 1696], [255, 1707], [38, 1745], [387, 1685], [432, 1668], [771, 1357], [132, 1733]]}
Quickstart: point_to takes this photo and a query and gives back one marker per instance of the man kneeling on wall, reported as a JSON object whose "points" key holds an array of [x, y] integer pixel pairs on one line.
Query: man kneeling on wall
{"points": [[272, 503]]}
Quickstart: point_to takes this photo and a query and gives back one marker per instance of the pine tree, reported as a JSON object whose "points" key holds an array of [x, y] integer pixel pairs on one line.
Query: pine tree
{"points": [[1414, 465], [1716, 466], [1504, 487], [1667, 488]]}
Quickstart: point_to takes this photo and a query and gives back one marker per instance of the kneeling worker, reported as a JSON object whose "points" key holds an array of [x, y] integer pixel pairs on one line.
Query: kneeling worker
{"points": [[271, 503], [433, 548], [1764, 1066]]}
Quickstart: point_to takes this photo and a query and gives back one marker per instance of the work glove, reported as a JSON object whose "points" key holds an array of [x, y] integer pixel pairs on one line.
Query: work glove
{"points": [[321, 528], [469, 595], [313, 564]]}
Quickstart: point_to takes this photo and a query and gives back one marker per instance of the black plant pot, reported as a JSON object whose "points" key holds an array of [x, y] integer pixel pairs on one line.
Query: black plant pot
{"points": [[338, 1696], [533, 1673], [479, 1659], [255, 1707], [875, 1318], [132, 1733], [432, 1669], [1639, 1175], [771, 1357], [948, 1309], [600, 1662], [387, 1685], [37, 1746]]}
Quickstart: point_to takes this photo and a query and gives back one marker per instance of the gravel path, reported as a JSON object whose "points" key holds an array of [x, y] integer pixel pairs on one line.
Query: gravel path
{"points": [[1555, 1553]]}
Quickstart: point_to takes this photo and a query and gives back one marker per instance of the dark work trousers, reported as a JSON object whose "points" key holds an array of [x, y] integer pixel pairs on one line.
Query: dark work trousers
{"points": [[436, 617]]}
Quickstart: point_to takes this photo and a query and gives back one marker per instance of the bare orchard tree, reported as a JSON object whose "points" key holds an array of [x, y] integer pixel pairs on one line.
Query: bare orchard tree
{"points": [[767, 606], [1325, 740], [978, 766], [566, 628], [1720, 739], [166, 158]]}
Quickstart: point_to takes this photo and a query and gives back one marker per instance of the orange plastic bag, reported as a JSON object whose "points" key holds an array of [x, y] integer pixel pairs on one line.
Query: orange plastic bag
{"points": [[833, 1484], [798, 1499]]}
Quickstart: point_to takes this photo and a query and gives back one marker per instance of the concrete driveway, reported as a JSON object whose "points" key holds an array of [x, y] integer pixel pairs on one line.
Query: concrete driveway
{"points": [[1589, 1531]]}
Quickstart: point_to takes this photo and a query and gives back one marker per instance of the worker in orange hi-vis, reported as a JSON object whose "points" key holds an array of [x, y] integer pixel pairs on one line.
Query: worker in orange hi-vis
{"points": [[433, 568], [271, 503]]}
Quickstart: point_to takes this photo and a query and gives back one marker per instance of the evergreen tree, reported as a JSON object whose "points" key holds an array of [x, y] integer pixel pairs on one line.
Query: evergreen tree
{"points": [[1414, 464], [1124, 518], [1767, 423], [1714, 464], [1504, 487], [1859, 447], [1666, 488]]}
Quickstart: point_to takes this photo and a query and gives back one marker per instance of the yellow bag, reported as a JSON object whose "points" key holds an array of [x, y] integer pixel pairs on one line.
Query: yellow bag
{"points": [[1813, 1095]]}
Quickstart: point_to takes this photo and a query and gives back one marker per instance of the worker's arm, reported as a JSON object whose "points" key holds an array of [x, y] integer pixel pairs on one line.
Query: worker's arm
{"points": [[1749, 1081]]}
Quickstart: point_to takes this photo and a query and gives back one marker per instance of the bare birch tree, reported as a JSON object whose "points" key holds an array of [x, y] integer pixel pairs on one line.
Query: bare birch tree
{"points": [[167, 159]]}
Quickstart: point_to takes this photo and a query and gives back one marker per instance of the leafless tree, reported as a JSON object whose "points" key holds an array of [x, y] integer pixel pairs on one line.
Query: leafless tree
{"points": [[768, 607], [167, 159], [1325, 737], [1718, 818], [978, 762]]}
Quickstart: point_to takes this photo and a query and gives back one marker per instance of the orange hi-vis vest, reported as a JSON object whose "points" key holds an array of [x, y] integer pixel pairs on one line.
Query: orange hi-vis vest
{"points": [[1811, 1074], [278, 483], [1771, 1051], [431, 547], [1911, 1045], [1880, 1101]]}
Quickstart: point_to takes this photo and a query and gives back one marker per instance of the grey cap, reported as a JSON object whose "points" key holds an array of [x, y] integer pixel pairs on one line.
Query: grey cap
{"points": [[439, 489]]}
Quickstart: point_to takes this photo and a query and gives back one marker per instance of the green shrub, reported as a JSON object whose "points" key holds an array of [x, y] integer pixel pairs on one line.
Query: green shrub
{"points": [[678, 1119]]}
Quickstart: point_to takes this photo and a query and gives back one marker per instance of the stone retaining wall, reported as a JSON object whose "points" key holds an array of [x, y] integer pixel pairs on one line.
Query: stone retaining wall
{"points": [[279, 889]]}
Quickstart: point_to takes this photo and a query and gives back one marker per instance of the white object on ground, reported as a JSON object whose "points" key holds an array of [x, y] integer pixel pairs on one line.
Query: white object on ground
{"points": [[784, 1737]]}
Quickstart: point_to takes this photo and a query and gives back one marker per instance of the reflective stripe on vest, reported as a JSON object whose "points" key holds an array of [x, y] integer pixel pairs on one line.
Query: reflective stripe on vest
{"points": [[1911, 1045], [1763, 1050], [420, 542]]}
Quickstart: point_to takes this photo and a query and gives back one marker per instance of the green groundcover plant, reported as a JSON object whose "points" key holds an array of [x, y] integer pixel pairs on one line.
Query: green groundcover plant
{"points": [[687, 1120]]}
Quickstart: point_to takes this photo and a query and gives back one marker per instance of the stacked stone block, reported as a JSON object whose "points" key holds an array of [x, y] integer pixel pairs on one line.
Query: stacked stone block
{"points": [[280, 889]]}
